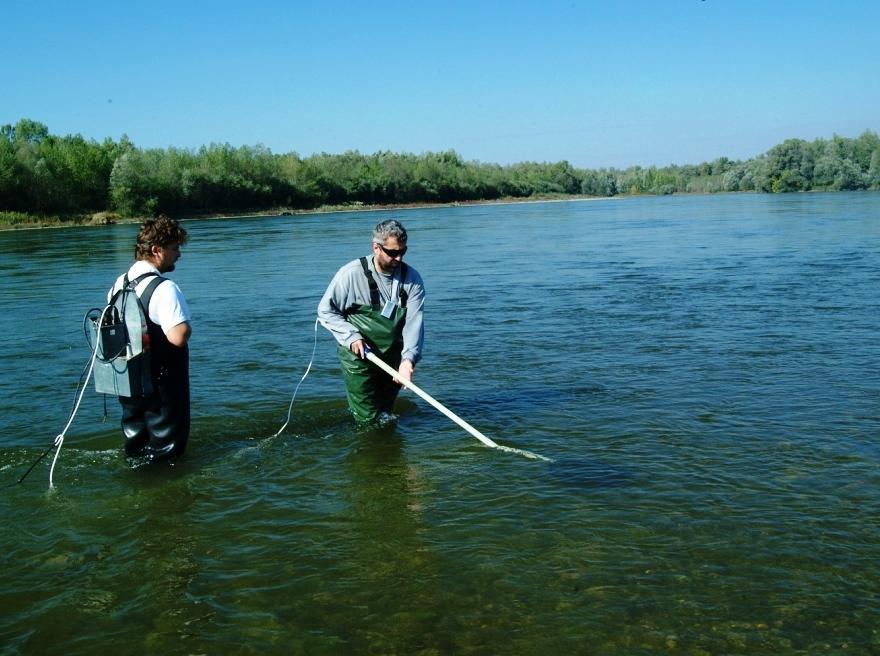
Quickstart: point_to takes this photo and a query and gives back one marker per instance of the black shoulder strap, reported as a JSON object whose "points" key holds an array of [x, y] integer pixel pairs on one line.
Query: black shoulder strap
{"points": [[401, 292], [144, 299], [148, 292], [374, 288], [137, 281], [131, 285]]}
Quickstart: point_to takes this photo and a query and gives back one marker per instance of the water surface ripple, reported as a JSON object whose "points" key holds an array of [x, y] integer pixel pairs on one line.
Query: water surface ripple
{"points": [[702, 370]]}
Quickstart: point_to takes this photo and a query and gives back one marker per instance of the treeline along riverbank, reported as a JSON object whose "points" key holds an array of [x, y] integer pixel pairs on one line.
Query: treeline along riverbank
{"points": [[44, 175]]}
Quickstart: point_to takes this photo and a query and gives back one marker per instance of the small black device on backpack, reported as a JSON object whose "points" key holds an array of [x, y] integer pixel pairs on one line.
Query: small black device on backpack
{"points": [[122, 358]]}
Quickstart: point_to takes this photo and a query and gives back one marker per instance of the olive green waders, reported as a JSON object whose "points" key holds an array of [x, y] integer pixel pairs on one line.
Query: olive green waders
{"points": [[370, 390]]}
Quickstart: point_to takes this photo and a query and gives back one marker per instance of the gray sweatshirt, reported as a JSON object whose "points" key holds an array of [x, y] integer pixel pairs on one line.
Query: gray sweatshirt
{"points": [[350, 287]]}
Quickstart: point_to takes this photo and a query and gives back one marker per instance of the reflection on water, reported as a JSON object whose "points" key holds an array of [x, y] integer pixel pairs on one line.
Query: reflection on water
{"points": [[700, 369]]}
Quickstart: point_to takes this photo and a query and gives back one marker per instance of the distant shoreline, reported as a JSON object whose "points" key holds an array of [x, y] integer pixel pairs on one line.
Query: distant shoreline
{"points": [[109, 218]]}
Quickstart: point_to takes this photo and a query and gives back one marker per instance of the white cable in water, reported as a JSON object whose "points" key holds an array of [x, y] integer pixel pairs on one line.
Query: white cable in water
{"points": [[59, 439], [290, 408], [446, 411]]}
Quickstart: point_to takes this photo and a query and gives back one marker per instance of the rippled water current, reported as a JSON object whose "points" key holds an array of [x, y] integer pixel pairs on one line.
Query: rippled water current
{"points": [[704, 372]]}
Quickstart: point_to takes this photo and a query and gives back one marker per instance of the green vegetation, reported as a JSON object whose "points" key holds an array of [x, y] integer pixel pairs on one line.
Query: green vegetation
{"points": [[15, 218], [46, 175]]}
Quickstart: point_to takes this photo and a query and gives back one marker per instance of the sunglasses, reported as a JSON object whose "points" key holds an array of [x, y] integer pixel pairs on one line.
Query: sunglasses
{"points": [[390, 252]]}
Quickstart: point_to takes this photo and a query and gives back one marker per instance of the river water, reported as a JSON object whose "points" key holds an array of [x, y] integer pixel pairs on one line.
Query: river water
{"points": [[702, 370]]}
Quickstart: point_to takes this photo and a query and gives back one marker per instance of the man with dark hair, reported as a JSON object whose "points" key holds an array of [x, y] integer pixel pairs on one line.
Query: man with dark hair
{"points": [[376, 302], [156, 426]]}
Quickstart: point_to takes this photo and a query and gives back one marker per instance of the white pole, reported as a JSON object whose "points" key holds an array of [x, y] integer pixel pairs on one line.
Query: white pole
{"points": [[408, 384]]}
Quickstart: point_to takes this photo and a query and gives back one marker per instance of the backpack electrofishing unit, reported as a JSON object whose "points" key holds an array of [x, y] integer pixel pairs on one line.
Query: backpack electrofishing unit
{"points": [[121, 337]]}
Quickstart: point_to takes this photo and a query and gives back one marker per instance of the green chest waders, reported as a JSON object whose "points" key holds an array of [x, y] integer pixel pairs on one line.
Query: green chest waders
{"points": [[371, 391]]}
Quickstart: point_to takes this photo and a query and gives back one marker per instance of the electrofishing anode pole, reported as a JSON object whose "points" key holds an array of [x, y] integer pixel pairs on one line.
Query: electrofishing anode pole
{"points": [[408, 384]]}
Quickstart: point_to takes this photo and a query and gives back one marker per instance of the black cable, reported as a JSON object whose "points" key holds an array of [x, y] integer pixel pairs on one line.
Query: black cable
{"points": [[36, 462]]}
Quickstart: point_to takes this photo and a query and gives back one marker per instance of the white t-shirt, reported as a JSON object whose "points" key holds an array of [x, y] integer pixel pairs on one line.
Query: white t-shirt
{"points": [[168, 307]]}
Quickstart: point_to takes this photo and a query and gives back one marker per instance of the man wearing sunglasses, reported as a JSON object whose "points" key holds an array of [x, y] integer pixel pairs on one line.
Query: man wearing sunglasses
{"points": [[376, 302]]}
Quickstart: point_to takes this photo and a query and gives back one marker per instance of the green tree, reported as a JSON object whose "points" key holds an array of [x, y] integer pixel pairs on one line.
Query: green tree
{"points": [[29, 132], [873, 177], [790, 166], [8, 174]]}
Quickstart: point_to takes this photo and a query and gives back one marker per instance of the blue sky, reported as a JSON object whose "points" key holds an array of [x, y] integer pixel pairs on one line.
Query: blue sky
{"points": [[598, 83]]}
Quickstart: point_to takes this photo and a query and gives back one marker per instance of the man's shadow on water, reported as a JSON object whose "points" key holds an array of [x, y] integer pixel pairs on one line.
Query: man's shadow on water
{"points": [[386, 511], [379, 471]]}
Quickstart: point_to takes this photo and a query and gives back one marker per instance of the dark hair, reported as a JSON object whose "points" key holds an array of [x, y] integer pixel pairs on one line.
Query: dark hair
{"points": [[160, 231]]}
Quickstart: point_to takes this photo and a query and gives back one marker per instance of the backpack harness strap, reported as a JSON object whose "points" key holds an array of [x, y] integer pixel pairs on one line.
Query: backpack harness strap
{"points": [[148, 292]]}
